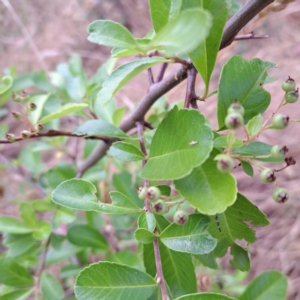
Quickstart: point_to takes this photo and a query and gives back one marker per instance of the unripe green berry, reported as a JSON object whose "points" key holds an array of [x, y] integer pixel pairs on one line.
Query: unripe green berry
{"points": [[224, 163], [25, 134], [142, 193], [267, 175], [16, 98], [32, 106], [292, 97], [279, 151], [180, 217], [10, 137], [234, 121], [236, 107], [39, 127], [160, 207], [288, 85], [7, 80], [280, 121], [16, 115], [153, 193], [280, 195]]}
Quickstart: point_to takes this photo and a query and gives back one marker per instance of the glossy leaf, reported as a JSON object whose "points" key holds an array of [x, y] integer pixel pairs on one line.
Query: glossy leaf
{"points": [[208, 189], [121, 76], [205, 296], [204, 56], [257, 149], [125, 152], [255, 125], [268, 285], [178, 156], [65, 110], [147, 221], [51, 287], [192, 237], [112, 34], [184, 32], [250, 94], [240, 259], [13, 274], [247, 168], [106, 280], [86, 236], [12, 225], [144, 236], [99, 128]]}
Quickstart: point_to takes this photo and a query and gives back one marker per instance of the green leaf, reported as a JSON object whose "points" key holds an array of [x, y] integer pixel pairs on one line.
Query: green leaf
{"points": [[192, 237], [125, 152], [112, 34], [204, 56], [240, 259], [80, 194], [183, 33], [13, 274], [86, 236], [144, 236], [250, 94], [176, 156], [12, 225], [118, 115], [28, 215], [208, 189], [178, 269], [208, 260], [18, 244], [65, 110], [205, 296], [247, 168], [164, 189], [106, 280], [39, 101], [255, 125], [99, 128], [257, 149], [125, 257], [70, 271], [51, 287], [147, 221], [121, 76], [5, 83], [268, 285], [65, 252], [221, 142], [22, 294]]}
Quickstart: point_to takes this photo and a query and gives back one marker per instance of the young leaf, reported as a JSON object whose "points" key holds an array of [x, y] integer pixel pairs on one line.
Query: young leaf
{"points": [[13, 274], [268, 285], [39, 101], [110, 280], [240, 259], [125, 152], [250, 94], [5, 83], [192, 237], [247, 168], [86, 236], [121, 76], [112, 34], [12, 225], [204, 56], [147, 221], [51, 287], [64, 111], [257, 149], [205, 296], [221, 142], [99, 128], [144, 236], [178, 269], [208, 189], [255, 124], [183, 33], [175, 157]]}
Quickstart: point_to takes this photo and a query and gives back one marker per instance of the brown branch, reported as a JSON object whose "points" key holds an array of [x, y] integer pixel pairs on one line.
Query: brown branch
{"points": [[150, 76], [190, 96], [250, 36], [51, 133], [162, 72], [233, 26]]}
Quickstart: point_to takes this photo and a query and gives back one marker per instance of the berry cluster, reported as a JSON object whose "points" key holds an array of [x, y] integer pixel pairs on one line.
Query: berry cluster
{"points": [[159, 206]]}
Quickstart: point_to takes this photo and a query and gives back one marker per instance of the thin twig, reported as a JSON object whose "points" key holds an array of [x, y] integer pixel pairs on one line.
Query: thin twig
{"points": [[25, 32], [190, 96], [51, 133], [150, 76], [162, 72], [250, 36]]}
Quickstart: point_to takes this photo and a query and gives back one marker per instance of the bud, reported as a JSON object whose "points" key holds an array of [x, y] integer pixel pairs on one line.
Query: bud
{"points": [[16, 115], [25, 134], [234, 121], [32, 106], [236, 107], [16, 98], [39, 127], [10, 137]]}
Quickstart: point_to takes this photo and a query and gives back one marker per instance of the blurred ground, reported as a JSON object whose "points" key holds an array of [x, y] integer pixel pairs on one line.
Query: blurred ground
{"points": [[58, 29]]}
